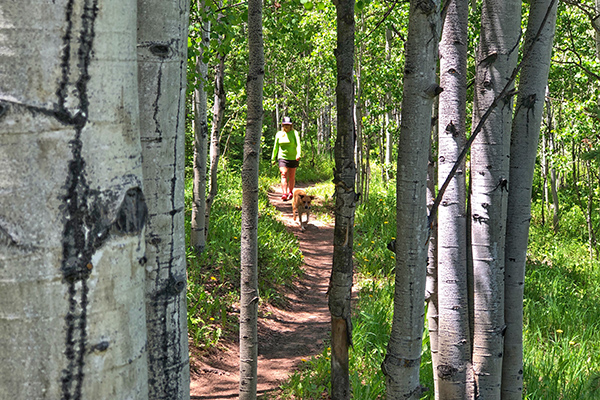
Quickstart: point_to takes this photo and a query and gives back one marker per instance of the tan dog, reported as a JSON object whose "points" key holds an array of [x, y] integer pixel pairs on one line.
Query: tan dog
{"points": [[301, 205]]}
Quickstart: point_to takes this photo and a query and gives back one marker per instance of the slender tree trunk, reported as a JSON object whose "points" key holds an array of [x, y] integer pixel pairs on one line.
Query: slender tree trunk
{"points": [[72, 209], [553, 185], [403, 358], [215, 138], [589, 210], [162, 61], [249, 235], [340, 285], [359, 153], [523, 150], [198, 221], [431, 283], [454, 372], [388, 114], [596, 26], [496, 61]]}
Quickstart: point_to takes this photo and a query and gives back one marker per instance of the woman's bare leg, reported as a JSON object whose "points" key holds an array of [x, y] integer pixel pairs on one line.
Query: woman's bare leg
{"points": [[284, 180], [291, 179]]}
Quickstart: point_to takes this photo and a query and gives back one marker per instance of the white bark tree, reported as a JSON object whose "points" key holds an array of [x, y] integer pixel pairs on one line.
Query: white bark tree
{"points": [[454, 372], [72, 210], [403, 358], [215, 138], [162, 61], [198, 222], [523, 150], [496, 61], [249, 235]]}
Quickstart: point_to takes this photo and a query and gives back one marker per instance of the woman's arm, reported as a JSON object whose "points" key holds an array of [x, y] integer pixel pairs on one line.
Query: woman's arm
{"points": [[275, 149], [298, 146]]}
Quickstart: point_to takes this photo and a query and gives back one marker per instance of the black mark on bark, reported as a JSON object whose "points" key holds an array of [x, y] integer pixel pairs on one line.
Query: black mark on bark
{"points": [[446, 372], [160, 50], [77, 246], [3, 109], [132, 213]]}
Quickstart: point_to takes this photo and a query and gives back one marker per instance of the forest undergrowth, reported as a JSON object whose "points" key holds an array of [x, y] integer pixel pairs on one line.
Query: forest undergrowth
{"points": [[562, 313]]}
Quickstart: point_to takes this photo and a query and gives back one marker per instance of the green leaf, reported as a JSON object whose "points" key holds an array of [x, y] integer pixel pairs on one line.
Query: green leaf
{"points": [[308, 6]]}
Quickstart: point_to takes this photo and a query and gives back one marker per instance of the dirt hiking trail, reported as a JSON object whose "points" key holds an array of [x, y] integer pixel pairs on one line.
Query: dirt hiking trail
{"points": [[285, 336]]}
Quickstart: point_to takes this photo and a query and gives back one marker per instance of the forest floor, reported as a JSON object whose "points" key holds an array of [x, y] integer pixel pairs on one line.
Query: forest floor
{"points": [[286, 335]]}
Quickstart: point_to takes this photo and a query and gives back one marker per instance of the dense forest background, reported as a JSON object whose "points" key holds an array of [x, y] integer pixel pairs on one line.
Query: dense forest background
{"points": [[561, 349]]}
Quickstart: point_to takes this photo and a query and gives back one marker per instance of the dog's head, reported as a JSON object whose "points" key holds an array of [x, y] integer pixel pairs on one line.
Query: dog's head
{"points": [[306, 200]]}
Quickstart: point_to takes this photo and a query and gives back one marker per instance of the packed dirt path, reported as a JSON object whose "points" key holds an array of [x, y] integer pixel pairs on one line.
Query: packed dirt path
{"points": [[285, 336]]}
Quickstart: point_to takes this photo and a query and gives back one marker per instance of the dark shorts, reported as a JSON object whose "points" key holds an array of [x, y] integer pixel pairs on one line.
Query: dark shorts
{"points": [[288, 163]]}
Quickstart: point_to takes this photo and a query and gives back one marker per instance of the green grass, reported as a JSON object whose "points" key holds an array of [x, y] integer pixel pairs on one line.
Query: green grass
{"points": [[562, 316], [213, 277], [562, 312]]}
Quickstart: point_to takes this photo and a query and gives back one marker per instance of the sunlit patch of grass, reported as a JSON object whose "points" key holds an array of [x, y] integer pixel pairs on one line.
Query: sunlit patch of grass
{"points": [[562, 318], [311, 380]]}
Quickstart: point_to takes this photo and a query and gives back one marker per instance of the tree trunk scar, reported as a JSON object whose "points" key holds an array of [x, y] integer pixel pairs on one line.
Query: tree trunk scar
{"points": [[87, 223], [156, 106], [77, 248]]}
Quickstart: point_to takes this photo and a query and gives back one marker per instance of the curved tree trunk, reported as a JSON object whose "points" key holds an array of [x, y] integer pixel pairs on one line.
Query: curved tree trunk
{"points": [[454, 371], [340, 284], [72, 210], [162, 61], [523, 150], [198, 221], [403, 358], [249, 234], [496, 61]]}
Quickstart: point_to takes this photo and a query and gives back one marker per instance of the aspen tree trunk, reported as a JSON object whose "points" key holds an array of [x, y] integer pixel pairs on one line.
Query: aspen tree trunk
{"points": [[340, 284], [72, 209], [526, 124], [553, 185], [431, 282], [359, 149], [388, 114], [198, 221], [249, 234], [596, 26], [162, 61], [496, 61], [454, 371], [589, 210], [403, 358], [215, 138]]}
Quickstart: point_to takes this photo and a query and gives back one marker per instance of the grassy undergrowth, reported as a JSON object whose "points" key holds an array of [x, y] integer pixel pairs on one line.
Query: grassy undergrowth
{"points": [[562, 312], [214, 277]]}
